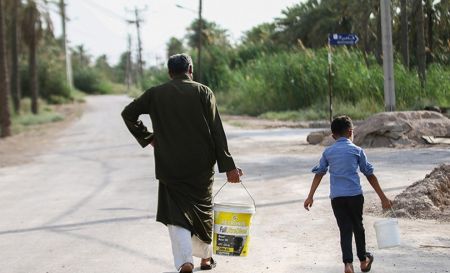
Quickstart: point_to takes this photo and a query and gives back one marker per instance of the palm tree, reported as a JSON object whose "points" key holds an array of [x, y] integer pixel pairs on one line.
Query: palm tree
{"points": [[174, 46], [5, 120], [404, 33], [80, 58], [15, 41], [420, 28], [430, 26], [36, 20]]}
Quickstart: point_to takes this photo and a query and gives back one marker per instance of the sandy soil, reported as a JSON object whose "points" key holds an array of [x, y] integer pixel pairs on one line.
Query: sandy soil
{"points": [[23, 147], [87, 203], [248, 122]]}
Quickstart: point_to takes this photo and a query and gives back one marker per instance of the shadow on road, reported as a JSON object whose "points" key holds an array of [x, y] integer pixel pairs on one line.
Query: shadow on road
{"points": [[74, 225]]}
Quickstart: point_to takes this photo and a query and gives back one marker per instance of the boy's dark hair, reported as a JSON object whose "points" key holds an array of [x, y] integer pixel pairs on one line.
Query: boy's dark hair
{"points": [[179, 63], [341, 125]]}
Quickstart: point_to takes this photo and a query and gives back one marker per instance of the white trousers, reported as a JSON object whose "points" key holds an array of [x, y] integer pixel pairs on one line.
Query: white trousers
{"points": [[184, 246]]}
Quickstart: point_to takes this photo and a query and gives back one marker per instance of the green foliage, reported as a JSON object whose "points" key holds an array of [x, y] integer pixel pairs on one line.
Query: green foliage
{"points": [[26, 118], [299, 115], [212, 34], [91, 81], [155, 76], [297, 81], [42, 118], [215, 65], [174, 46], [52, 82], [284, 81], [104, 68], [77, 96], [360, 110]]}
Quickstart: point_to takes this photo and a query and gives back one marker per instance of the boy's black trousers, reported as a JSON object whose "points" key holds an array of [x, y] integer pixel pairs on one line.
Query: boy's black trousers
{"points": [[348, 211]]}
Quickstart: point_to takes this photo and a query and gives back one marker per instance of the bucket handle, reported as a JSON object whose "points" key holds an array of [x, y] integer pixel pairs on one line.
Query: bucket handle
{"points": [[393, 211], [242, 184]]}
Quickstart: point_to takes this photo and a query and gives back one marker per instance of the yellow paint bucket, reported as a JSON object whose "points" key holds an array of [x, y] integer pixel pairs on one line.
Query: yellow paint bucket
{"points": [[232, 223]]}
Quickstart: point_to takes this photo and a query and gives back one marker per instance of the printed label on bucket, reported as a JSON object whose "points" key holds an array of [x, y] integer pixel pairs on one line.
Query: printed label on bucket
{"points": [[231, 233]]}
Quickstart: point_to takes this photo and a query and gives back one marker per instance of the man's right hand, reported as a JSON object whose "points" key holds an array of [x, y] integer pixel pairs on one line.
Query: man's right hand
{"points": [[234, 176]]}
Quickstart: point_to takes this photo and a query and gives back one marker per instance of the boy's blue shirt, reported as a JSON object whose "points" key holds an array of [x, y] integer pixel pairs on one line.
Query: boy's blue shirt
{"points": [[343, 159]]}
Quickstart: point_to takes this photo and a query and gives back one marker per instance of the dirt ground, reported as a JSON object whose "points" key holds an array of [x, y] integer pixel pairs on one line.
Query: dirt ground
{"points": [[85, 201], [23, 147], [249, 122]]}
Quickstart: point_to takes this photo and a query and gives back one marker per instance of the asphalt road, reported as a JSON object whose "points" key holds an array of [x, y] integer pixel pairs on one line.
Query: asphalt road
{"points": [[88, 204]]}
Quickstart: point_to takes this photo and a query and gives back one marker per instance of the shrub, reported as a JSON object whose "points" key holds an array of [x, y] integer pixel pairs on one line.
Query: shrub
{"points": [[51, 80], [91, 81], [294, 81]]}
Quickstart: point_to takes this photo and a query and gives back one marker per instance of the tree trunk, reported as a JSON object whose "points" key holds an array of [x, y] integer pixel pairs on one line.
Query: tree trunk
{"points": [[421, 57], [32, 63], [5, 118], [379, 42], [365, 18], [15, 74], [404, 33], [430, 14]]}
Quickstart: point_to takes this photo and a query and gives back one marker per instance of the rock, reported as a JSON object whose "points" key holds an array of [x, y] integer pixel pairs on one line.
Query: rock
{"points": [[392, 129], [317, 137], [400, 128]]}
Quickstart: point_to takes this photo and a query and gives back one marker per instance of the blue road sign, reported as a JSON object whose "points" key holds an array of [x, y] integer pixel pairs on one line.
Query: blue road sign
{"points": [[342, 39]]}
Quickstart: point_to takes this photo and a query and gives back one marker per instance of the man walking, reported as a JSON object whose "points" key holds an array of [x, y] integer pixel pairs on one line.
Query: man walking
{"points": [[188, 139]]}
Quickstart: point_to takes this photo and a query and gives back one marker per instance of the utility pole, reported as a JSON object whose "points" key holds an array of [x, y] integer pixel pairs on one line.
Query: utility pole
{"points": [[388, 55], [128, 65], [62, 8], [137, 21], [330, 81], [199, 46]]}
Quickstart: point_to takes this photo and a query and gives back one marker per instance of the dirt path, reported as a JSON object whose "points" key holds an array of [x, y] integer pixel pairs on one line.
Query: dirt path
{"points": [[88, 202], [23, 147]]}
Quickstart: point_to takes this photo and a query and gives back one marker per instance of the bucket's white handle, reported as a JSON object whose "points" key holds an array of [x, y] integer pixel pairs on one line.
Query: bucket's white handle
{"points": [[393, 212], [242, 184]]}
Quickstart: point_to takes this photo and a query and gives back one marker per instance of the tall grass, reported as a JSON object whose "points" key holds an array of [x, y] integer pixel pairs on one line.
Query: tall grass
{"points": [[297, 81], [26, 118]]}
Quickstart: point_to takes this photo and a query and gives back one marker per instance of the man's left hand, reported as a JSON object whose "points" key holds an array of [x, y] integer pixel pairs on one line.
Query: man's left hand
{"points": [[234, 176]]}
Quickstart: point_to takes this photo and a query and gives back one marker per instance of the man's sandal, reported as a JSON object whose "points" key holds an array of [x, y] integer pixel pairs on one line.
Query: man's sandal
{"points": [[369, 265], [211, 265], [186, 271]]}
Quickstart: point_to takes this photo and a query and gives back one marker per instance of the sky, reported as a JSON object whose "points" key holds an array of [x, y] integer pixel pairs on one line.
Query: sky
{"points": [[100, 25]]}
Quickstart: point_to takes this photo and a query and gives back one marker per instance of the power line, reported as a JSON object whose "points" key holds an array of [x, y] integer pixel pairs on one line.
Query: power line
{"points": [[105, 10], [101, 22]]}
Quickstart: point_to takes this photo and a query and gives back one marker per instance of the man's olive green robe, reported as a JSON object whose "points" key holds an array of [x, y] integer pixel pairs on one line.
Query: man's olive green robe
{"points": [[188, 140]]}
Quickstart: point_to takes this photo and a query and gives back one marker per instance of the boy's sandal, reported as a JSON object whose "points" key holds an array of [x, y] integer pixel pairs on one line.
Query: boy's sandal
{"points": [[369, 265], [351, 269], [211, 265]]}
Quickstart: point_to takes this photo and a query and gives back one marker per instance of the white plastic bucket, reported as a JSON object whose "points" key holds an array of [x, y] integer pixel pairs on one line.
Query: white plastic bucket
{"points": [[388, 233], [232, 223]]}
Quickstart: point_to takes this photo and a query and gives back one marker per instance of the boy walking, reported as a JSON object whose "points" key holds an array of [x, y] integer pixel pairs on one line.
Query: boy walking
{"points": [[343, 159]]}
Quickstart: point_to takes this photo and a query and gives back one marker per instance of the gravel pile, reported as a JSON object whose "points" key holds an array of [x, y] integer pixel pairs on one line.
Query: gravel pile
{"points": [[428, 198]]}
